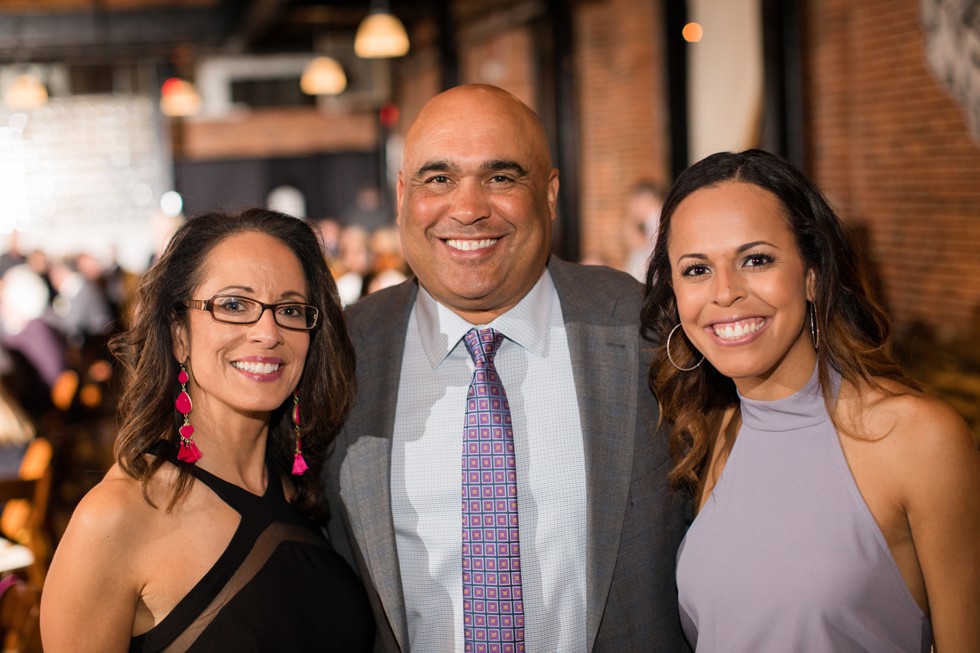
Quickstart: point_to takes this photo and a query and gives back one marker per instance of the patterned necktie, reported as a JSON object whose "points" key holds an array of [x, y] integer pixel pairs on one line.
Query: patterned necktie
{"points": [[493, 604]]}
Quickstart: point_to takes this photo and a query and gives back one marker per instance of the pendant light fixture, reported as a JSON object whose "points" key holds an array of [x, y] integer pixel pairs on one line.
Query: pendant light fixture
{"points": [[380, 35], [179, 98], [323, 76]]}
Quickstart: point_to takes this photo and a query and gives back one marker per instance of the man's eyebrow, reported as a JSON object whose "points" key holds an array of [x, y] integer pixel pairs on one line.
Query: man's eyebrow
{"points": [[496, 165], [439, 165], [493, 165]]}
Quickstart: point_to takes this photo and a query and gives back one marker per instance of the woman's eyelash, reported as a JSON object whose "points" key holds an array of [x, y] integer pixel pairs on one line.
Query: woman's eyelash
{"points": [[688, 270], [759, 258]]}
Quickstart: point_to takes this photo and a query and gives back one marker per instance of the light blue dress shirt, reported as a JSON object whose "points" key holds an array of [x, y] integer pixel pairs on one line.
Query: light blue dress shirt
{"points": [[536, 370]]}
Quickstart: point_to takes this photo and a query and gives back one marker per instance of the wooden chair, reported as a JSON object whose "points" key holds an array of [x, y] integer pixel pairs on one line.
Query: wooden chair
{"points": [[24, 514], [20, 617]]}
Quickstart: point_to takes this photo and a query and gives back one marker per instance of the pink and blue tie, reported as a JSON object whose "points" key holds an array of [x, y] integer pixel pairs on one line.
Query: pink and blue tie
{"points": [[493, 605]]}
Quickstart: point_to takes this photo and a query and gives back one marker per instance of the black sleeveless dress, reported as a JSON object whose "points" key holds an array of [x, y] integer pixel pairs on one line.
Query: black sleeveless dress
{"points": [[279, 586]]}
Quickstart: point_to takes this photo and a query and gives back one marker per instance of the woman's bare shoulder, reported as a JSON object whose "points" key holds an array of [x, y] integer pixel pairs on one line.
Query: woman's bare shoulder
{"points": [[923, 418], [101, 564], [917, 432], [894, 410], [117, 508]]}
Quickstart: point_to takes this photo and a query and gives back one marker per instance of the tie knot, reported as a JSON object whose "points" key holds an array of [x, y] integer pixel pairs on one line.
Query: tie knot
{"points": [[483, 345]]}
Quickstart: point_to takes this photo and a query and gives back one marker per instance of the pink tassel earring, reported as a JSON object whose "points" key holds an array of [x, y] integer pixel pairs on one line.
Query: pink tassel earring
{"points": [[299, 463], [187, 451]]}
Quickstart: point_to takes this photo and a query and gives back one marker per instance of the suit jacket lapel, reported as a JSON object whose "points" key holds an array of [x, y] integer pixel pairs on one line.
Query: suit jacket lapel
{"points": [[605, 357], [365, 490], [365, 475]]}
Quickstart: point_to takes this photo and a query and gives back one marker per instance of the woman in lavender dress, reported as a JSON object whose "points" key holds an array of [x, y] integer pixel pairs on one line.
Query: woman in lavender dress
{"points": [[837, 507]]}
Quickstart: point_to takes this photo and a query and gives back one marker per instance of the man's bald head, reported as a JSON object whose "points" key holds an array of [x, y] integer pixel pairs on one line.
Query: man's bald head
{"points": [[476, 200], [462, 106]]}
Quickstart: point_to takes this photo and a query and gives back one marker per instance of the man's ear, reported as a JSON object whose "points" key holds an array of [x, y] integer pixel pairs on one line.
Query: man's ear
{"points": [[553, 193], [399, 193]]}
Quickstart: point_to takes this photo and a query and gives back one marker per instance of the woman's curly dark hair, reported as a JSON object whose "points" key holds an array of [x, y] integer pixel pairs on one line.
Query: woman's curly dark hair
{"points": [[854, 329], [145, 349]]}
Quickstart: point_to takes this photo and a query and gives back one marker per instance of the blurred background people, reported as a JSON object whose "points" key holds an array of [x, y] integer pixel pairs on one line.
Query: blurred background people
{"points": [[388, 268], [79, 308], [641, 220], [367, 210], [37, 351], [329, 231], [16, 431], [353, 263], [12, 255]]}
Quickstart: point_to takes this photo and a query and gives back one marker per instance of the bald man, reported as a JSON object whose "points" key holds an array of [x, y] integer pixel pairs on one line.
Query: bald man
{"points": [[596, 529]]}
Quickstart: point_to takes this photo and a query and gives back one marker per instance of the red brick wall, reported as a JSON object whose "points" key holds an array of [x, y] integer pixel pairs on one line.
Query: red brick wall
{"points": [[623, 113], [503, 59], [503, 56], [417, 77], [892, 151]]}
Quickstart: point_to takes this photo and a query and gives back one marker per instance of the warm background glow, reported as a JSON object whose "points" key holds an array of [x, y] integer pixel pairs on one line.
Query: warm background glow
{"points": [[692, 32]]}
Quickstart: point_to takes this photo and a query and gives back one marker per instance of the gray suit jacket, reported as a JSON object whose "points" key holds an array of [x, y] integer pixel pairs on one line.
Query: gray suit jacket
{"points": [[634, 522]]}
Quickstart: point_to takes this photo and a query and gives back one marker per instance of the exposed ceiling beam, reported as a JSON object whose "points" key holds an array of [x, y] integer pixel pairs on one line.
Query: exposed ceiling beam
{"points": [[100, 31], [259, 17], [92, 34]]}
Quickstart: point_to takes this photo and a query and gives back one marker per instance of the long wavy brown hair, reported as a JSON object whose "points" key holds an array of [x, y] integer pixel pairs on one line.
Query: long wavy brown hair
{"points": [[145, 349], [854, 330]]}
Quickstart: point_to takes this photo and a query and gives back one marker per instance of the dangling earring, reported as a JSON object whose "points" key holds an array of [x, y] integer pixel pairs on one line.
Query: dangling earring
{"points": [[299, 463], [187, 451], [811, 312], [671, 358]]}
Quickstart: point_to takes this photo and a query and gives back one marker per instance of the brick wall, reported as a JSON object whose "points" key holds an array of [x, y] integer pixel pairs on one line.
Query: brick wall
{"points": [[417, 76], [623, 113], [493, 49], [892, 151], [503, 57]]}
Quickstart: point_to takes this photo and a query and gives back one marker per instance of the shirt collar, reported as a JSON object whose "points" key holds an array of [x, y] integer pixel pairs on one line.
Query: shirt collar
{"points": [[440, 329]]}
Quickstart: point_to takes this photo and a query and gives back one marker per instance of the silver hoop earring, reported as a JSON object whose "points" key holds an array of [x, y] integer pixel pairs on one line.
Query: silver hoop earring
{"points": [[671, 358], [811, 312]]}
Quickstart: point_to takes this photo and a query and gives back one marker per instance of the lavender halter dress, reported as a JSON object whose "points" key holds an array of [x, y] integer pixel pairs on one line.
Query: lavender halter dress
{"points": [[785, 555]]}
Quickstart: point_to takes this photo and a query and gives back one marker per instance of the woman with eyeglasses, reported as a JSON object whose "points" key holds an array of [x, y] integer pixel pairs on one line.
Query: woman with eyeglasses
{"points": [[203, 535]]}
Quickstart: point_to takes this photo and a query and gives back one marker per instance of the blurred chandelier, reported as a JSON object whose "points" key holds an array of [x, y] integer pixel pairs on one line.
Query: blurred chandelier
{"points": [[26, 92], [380, 35], [323, 76]]}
